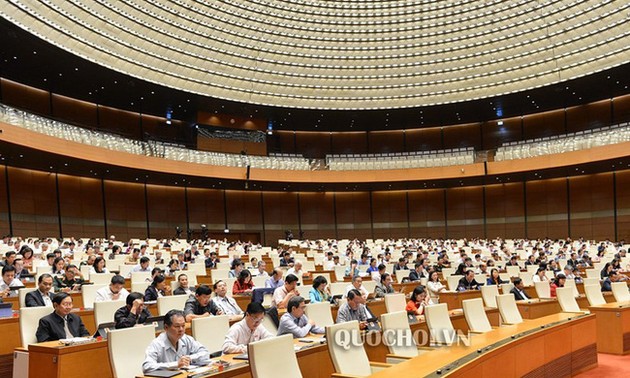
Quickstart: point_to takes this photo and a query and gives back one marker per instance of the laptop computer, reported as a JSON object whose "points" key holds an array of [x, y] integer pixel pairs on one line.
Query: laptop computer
{"points": [[158, 321], [103, 328], [6, 310], [372, 324]]}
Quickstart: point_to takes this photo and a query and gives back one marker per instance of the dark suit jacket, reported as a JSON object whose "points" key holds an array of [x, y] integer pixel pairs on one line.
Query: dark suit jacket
{"points": [[51, 327], [517, 295], [151, 294], [180, 291], [35, 299], [125, 319], [464, 285], [414, 276]]}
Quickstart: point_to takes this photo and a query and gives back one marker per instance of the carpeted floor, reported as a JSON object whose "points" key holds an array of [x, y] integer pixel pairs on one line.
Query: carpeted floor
{"points": [[610, 366]]}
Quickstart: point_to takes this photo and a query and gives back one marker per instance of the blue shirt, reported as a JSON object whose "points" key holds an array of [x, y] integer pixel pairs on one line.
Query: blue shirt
{"points": [[271, 283]]}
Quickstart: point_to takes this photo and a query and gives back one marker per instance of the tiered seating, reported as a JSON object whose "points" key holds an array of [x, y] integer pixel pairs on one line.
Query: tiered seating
{"points": [[344, 54], [151, 148], [416, 159], [580, 140]]}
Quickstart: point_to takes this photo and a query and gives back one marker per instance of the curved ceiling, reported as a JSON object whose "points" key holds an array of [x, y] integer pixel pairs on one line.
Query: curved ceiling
{"points": [[338, 55]]}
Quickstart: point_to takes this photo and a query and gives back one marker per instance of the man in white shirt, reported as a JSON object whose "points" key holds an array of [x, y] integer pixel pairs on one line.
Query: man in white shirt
{"points": [[247, 330], [357, 283], [173, 349], [295, 322], [114, 292], [285, 292], [296, 270], [226, 304], [8, 281], [261, 269], [143, 266]]}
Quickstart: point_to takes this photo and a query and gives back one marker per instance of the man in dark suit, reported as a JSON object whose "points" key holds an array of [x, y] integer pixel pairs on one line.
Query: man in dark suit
{"points": [[61, 323], [468, 282], [133, 313], [42, 296], [517, 291]]}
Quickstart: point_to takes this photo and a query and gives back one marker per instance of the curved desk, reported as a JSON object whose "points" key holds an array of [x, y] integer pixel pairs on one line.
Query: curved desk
{"points": [[565, 346]]}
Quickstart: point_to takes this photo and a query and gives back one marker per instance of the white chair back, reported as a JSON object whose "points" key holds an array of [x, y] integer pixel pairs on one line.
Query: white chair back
{"points": [[594, 295], [453, 282], [527, 278], [29, 321], [104, 311], [127, 347], [397, 334], [401, 274], [269, 324], [439, 323], [171, 302], [125, 270], [101, 278], [543, 290], [489, 293], [591, 281], [220, 274], [320, 313], [88, 293], [264, 361], [513, 271], [508, 310], [395, 302], [506, 288], [140, 276], [571, 283], [211, 331], [338, 288], [620, 291], [567, 299], [259, 281], [340, 272], [348, 359], [139, 287], [369, 285], [475, 315]]}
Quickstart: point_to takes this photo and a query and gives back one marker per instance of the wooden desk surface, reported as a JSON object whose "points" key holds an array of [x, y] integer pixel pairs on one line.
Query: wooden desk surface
{"points": [[544, 347], [538, 308], [613, 327], [77, 300], [313, 359], [51, 359], [453, 299]]}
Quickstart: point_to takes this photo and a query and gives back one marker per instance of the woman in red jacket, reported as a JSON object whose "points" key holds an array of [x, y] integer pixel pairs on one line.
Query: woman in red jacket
{"points": [[244, 284]]}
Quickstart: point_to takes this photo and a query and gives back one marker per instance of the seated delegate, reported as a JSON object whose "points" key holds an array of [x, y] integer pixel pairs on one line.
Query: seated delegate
{"points": [[173, 348]]}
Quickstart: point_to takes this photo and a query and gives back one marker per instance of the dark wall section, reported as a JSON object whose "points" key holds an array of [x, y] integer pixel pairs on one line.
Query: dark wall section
{"points": [[34, 203]]}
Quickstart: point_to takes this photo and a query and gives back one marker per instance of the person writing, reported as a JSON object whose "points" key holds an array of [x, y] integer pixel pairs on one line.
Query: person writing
{"points": [[354, 309], [247, 330], [244, 284], [200, 306], [173, 348], [295, 322]]}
